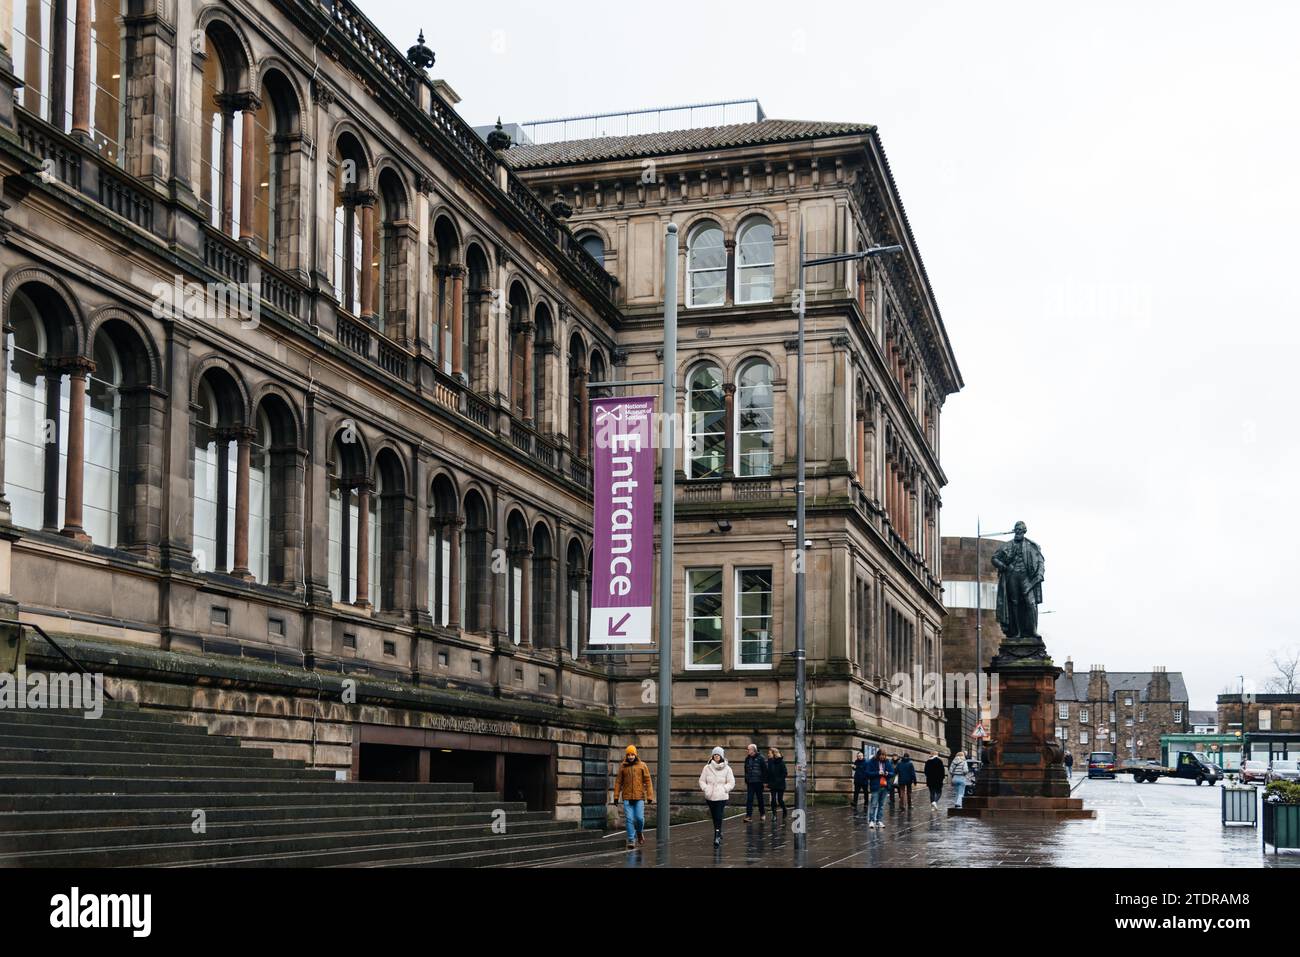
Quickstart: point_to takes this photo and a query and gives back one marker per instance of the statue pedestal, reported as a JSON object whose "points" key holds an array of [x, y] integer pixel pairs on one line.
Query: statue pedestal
{"points": [[1024, 771]]}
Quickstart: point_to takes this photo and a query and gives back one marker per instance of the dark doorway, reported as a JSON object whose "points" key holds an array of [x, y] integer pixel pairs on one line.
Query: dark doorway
{"points": [[463, 767], [526, 779], [386, 762]]}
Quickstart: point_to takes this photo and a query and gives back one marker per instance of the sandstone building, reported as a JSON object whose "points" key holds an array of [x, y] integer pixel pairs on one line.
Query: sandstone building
{"points": [[1125, 712], [295, 422]]}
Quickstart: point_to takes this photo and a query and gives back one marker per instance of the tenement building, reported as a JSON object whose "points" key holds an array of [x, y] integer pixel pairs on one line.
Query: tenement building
{"points": [[295, 437], [1125, 712]]}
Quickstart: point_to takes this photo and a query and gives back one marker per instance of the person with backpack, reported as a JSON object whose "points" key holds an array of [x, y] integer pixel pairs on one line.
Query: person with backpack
{"points": [[1069, 765], [716, 781], [755, 778], [959, 770], [776, 775], [934, 775]]}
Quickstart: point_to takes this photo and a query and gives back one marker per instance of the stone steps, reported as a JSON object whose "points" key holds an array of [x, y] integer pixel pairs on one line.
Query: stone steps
{"points": [[122, 790]]}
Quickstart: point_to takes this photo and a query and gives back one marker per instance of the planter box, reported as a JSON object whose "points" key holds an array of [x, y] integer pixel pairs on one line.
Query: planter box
{"points": [[1240, 806], [1281, 825]]}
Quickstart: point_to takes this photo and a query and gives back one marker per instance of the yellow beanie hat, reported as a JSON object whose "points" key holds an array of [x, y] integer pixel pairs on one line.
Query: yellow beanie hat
{"points": [[631, 749]]}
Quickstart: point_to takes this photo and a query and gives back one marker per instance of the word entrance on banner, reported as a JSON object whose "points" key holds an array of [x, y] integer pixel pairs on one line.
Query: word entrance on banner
{"points": [[623, 482]]}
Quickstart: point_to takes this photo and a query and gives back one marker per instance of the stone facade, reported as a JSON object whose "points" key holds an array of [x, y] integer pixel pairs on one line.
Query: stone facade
{"points": [[297, 397], [1125, 712], [959, 631]]}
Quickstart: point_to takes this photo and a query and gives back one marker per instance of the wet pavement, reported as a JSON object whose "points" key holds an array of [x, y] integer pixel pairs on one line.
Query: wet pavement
{"points": [[1167, 824]]}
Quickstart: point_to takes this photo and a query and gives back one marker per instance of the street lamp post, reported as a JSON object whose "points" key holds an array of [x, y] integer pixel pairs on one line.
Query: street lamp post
{"points": [[800, 592]]}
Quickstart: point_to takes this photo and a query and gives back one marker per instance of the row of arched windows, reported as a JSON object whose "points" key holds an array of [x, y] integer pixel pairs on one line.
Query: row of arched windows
{"points": [[709, 263], [79, 444]]}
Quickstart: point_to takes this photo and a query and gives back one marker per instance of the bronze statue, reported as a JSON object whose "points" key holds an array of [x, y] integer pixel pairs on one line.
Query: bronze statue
{"points": [[1020, 586]]}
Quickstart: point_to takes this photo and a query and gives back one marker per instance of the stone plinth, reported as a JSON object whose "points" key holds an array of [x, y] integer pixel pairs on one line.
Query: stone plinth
{"points": [[1023, 774]]}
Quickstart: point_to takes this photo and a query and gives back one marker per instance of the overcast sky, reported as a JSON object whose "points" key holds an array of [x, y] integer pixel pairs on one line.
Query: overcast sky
{"points": [[1105, 196]]}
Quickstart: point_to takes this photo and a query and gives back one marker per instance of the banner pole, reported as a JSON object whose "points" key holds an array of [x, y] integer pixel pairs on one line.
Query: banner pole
{"points": [[668, 465]]}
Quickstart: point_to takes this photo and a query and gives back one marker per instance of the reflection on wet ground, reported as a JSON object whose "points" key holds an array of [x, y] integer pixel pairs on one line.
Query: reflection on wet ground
{"points": [[1167, 824]]}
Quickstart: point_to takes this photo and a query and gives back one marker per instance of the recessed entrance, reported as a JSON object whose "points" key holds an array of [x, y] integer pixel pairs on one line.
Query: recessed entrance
{"points": [[519, 769]]}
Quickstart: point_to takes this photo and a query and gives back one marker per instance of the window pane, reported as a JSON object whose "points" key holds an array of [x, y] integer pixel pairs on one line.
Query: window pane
{"points": [[707, 250], [755, 246], [708, 288]]}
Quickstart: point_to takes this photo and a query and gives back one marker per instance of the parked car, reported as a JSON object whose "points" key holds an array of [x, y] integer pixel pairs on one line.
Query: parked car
{"points": [[1253, 772], [1101, 764], [1284, 771]]}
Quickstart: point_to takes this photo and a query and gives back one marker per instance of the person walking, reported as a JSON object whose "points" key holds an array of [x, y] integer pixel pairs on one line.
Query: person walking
{"points": [[632, 786], [934, 775], [879, 772], [906, 778], [959, 769], [716, 781], [1069, 765], [860, 781], [755, 778], [776, 775]]}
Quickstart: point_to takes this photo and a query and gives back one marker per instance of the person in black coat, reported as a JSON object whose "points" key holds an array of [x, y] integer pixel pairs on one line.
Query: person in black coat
{"points": [[906, 778], [776, 774], [934, 775], [860, 780], [755, 778]]}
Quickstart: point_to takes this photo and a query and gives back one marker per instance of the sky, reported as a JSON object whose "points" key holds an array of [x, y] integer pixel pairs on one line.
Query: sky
{"points": [[1104, 195]]}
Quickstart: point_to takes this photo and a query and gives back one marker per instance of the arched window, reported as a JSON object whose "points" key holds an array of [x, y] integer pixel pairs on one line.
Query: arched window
{"points": [[594, 245], [543, 343], [577, 393], [520, 392], [755, 262], [347, 469], [446, 268], [517, 546], [276, 203], [542, 591], [706, 423], [475, 319], [389, 548], [444, 552], [103, 444], [575, 577], [44, 55], [221, 106], [754, 412], [275, 518], [28, 438], [214, 475], [706, 267], [476, 574], [390, 244], [353, 210]]}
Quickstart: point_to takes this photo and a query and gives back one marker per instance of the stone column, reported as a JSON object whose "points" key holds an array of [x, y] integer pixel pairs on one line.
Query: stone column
{"points": [[366, 204], [248, 105], [729, 427], [528, 331], [52, 370], [81, 71], [457, 321], [454, 528], [243, 439], [229, 103], [316, 504], [78, 371], [177, 513], [363, 544], [584, 413], [862, 448]]}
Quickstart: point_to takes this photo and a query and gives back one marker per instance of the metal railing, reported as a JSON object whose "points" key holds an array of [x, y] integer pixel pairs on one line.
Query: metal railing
{"points": [[62, 651]]}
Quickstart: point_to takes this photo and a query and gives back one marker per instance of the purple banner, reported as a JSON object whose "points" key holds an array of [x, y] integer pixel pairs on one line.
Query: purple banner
{"points": [[623, 483]]}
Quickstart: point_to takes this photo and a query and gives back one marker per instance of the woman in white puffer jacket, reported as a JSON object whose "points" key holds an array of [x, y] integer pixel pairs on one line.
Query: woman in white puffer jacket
{"points": [[716, 781]]}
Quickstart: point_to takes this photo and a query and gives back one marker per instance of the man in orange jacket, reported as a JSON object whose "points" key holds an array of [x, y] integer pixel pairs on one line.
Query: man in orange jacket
{"points": [[632, 786]]}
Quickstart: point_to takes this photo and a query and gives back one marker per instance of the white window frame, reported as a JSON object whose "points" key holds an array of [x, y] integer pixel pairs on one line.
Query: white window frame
{"points": [[1083, 735], [691, 270], [738, 432], [1083, 715], [689, 619], [736, 617], [1063, 711], [691, 433], [745, 227]]}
